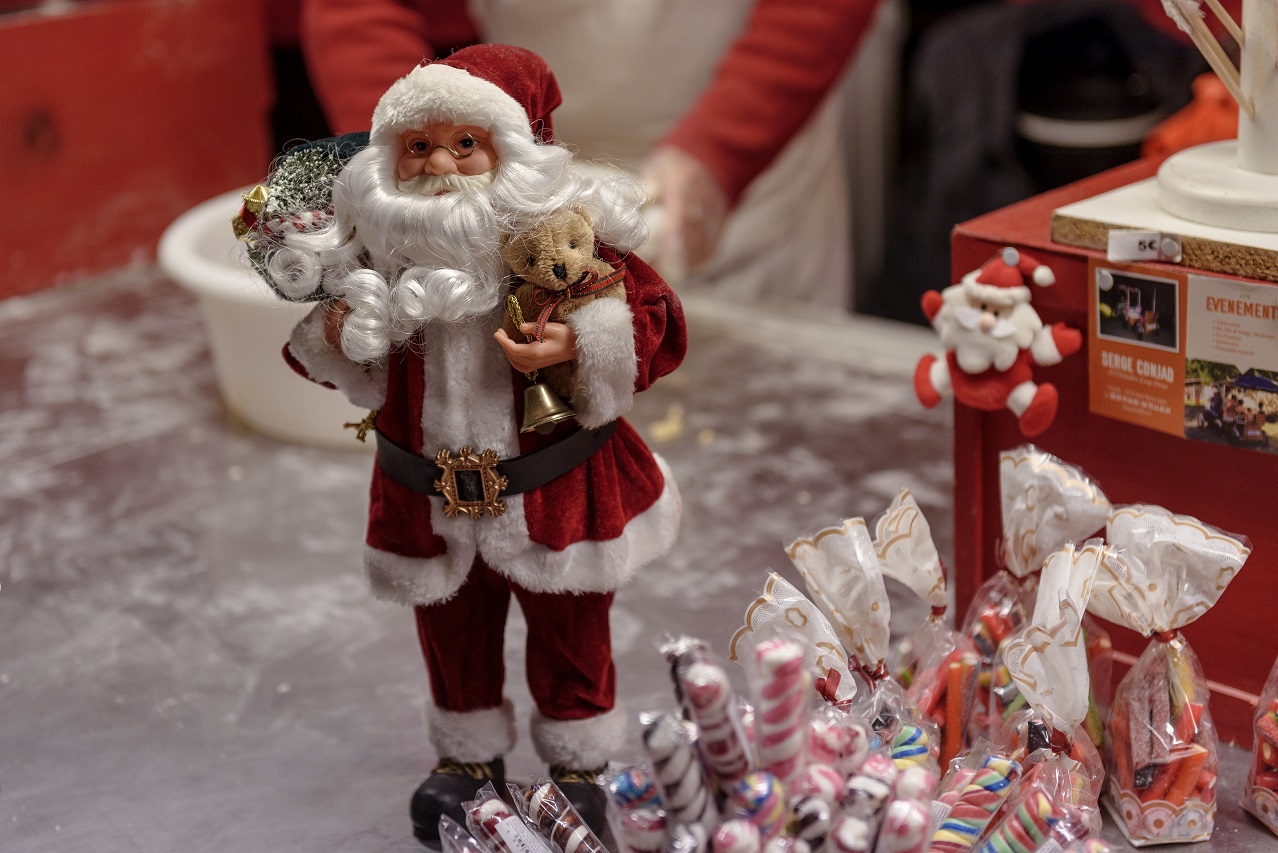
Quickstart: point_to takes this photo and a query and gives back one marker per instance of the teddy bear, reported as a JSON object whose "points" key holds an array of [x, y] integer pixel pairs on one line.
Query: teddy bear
{"points": [[555, 260]]}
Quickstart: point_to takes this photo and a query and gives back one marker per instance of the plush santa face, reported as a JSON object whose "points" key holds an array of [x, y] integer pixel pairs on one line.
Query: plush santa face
{"points": [[985, 326]]}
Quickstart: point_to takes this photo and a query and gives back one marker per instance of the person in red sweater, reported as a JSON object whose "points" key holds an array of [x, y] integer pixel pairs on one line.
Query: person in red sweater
{"points": [[700, 98]]}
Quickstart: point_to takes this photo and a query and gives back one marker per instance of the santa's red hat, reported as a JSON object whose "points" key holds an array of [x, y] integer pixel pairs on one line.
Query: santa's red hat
{"points": [[493, 86], [1002, 279]]}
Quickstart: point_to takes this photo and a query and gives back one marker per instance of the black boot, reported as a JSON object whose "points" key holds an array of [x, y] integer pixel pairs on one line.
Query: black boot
{"points": [[587, 796], [449, 785]]}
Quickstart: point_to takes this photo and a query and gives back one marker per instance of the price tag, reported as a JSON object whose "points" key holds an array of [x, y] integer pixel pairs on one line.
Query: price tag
{"points": [[1127, 246]]}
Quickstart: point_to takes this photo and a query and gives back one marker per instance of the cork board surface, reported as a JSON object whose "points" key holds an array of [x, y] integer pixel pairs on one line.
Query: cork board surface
{"points": [[1087, 224]]}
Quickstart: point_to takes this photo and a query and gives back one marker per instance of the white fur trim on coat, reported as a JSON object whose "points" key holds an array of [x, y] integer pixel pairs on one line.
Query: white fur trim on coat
{"points": [[579, 744], [363, 385], [437, 93], [606, 361], [504, 544], [472, 735], [408, 580]]}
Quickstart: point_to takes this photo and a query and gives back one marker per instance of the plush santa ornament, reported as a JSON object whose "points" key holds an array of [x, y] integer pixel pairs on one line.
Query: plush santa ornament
{"points": [[992, 339]]}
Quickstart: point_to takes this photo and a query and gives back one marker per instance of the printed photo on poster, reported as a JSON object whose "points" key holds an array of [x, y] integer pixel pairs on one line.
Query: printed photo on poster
{"points": [[1138, 308], [1136, 359], [1231, 364], [1225, 406]]}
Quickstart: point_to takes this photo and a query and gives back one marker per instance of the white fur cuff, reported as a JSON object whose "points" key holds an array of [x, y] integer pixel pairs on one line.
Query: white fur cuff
{"points": [[606, 361], [363, 386], [580, 744], [472, 735], [415, 580]]}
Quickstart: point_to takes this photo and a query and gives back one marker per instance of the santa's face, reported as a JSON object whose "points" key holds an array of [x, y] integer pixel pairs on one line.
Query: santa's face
{"points": [[982, 329], [437, 151]]}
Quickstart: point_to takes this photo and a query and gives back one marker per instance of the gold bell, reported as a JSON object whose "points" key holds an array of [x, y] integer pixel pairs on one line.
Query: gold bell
{"points": [[543, 409]]}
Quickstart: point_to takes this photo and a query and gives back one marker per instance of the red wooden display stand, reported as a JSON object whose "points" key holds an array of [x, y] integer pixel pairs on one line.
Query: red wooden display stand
{"points": [[117, 117], [1231, 488]]}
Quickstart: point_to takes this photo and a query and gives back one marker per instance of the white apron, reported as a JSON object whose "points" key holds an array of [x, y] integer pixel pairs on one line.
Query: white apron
{"points": [[629, 69]]}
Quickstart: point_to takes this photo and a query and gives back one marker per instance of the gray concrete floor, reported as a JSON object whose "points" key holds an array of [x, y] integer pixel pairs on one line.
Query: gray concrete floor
{"points": [[188, 657]]}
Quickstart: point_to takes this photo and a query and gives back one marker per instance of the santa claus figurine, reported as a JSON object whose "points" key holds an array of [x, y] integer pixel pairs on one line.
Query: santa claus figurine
{"points": [[992, 339], [466, 510]]}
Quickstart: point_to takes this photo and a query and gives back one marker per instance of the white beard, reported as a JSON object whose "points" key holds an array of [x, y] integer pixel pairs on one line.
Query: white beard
{"points": [[977, 351], [433, 257]]}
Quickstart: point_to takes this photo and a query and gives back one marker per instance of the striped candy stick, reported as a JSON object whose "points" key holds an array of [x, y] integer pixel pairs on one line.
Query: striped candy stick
{"points": [[781, 714], [674, 761], [910, 746], [1025, 829], [712, 704], [976, 805]]}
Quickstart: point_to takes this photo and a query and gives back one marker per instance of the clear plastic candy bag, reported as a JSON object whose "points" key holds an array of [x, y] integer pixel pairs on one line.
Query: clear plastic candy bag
{"points": [[1260, 795]]}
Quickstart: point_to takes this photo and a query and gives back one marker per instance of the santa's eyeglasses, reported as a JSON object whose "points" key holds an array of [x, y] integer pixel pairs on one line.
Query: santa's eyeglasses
{"points": [[461, 145]]}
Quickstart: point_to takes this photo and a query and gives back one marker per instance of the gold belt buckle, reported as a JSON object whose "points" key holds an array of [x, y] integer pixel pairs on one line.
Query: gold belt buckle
{"points": [[485, 464]]}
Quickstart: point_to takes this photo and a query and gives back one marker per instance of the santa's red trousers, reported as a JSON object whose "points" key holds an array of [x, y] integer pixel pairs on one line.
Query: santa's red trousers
{"points": [[569, 660]]}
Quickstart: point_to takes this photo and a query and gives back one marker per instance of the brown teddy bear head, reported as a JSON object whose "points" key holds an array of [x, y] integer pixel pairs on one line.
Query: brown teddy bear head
{"points": [[556, 252]]}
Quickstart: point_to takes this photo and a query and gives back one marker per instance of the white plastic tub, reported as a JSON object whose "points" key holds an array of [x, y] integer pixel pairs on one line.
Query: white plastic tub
{"points": [[248, 326]]}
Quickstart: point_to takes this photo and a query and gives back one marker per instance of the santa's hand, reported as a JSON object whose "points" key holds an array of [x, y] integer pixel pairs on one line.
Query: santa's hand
{"points": [[559, 344], [1068, 341], [932, 303], [693, 206]]}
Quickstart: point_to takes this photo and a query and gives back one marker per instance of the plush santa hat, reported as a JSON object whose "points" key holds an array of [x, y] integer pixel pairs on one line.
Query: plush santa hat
{"points": [[493, 86], [1002, 280]]}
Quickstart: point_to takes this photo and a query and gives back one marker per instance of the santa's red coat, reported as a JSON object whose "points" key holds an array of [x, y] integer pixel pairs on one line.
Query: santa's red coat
{"points": [[586, 531], [989, 389]]}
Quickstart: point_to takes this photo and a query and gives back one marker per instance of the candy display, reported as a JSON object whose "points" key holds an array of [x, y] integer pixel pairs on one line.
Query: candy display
{"points": [[905, 828], [781, 608], [819, 780], [781, 708], [812, 819], [453, 838], [737, 836], [759, 798], [631, 788], [838, 739], [713, 705], [1025, 828], [975, 806], [1260, 794], [786, 844], [861, 773], [851, 835], [910, 746], [1046, 504], [674, 760], [1048, 666], [549, 811], [1163, 747], [916, 783], [497, 826], [641, 831]]}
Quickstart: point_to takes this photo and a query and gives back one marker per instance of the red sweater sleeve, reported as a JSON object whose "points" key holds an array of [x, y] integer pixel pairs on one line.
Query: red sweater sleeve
{"points": [[769, 84], [355, 49]]}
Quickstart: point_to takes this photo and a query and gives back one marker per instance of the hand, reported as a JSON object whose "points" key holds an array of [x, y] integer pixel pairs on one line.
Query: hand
{"points": [[334, 317], [560, 345], [694, 208]]}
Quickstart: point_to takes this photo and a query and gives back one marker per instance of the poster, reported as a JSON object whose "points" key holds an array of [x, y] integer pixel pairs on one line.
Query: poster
{"points": [[1189, 355]]}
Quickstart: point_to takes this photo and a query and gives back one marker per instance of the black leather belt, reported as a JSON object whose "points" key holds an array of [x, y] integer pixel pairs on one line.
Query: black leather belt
{"points": [[473, 482]]}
